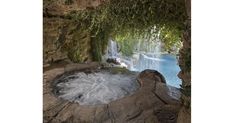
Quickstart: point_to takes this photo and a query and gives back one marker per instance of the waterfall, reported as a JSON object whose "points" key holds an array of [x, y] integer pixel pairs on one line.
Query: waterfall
{"points": [[112, 49], [148, 55], [146, 62]]}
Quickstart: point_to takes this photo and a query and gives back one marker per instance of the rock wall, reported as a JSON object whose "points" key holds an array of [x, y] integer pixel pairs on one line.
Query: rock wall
{"points": [[63, 7], [185, 65], [61, 36], [51, 32], [62, 40]]}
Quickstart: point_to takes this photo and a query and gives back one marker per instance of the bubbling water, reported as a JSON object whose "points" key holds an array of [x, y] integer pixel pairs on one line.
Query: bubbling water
{"points": [[95, 88]]}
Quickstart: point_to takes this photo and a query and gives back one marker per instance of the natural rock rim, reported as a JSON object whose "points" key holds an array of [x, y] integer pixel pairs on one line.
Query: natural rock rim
{"points": [[152, 102], [127, 86]]}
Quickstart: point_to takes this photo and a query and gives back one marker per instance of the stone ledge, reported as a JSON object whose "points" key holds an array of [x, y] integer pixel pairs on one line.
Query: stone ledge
{"points": [[152, 103]]}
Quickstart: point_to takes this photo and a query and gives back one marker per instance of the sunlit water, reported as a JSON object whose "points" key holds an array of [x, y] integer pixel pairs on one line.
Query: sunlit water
{"points": [[166, 64]]}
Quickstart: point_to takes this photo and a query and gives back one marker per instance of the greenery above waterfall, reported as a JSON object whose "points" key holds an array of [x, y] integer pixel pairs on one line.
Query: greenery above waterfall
{"points": [[131, 20]]}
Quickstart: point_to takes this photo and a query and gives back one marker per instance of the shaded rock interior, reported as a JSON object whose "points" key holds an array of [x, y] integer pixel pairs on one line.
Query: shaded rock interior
{"points": [[93, 88]]}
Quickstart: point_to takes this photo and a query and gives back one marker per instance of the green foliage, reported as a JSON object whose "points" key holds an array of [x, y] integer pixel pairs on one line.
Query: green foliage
{"points": [[74, 55], [187, 59], [127, 20], [99, 43], [75, 44], [171, 38], [68, 2], [118, 70], [126, 47]]}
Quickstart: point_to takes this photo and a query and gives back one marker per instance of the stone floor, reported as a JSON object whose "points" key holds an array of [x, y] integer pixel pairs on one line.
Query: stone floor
{"points": [[153, 102]]}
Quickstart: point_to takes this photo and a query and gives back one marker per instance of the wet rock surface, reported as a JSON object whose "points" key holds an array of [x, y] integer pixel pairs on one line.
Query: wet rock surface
{"points": [[153, 102], [113, 60]]}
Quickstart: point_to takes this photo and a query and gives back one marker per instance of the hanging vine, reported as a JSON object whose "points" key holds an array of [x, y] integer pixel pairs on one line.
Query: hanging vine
{"points": [[126, 20]]}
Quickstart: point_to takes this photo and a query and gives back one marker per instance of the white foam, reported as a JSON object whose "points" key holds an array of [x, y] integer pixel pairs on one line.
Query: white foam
{"points": [[96, 88]]}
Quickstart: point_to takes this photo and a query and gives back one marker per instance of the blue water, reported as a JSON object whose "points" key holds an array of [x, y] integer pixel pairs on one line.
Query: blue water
{"points": [[170, 69], [166, 64]]}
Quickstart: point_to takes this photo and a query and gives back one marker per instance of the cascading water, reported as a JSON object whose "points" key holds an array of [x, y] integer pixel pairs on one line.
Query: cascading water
{"points": [[112, 49], [148, 55], [113, 55]]}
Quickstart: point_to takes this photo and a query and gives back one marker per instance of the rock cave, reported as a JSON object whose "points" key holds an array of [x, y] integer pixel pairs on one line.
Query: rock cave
{"points": [[116, 61]]}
